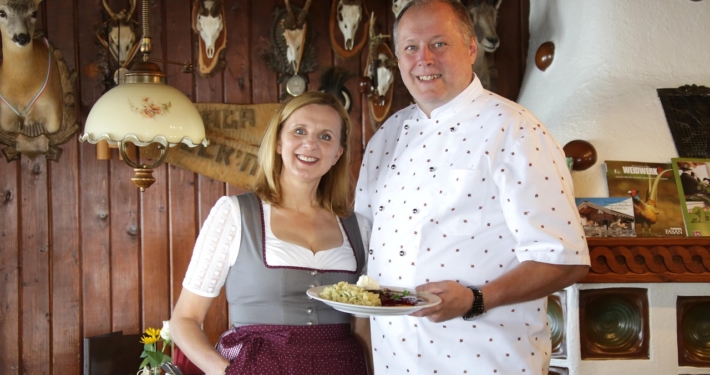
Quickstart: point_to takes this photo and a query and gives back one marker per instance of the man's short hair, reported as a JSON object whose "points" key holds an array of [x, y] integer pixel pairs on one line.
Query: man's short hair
{"points": [[460, 13]]}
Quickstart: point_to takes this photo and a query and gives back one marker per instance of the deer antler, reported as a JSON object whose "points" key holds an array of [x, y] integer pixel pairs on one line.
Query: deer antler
{"points": [[111, 14], [288, 9], [216, 8], [130, 11], [303, 14]]}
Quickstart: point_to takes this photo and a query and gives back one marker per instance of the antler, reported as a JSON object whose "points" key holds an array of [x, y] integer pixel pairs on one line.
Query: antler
{"points": [[109, 11], [303, 14], [130, 11], [288, 9], [216, 8]]}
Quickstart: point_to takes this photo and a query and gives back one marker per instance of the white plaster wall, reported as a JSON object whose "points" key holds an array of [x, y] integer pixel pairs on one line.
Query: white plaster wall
{"points": [[663, 349], [610, 57]]}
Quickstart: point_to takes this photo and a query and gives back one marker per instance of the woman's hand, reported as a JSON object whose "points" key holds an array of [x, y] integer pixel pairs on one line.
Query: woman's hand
{"points": [[188, 316]]}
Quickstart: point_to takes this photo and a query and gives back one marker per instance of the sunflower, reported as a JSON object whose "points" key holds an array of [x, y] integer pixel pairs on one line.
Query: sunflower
{"points": [[152, 335]]}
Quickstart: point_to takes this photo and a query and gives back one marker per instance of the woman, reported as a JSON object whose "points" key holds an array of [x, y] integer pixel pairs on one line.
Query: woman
{"points": [[268, 247]]}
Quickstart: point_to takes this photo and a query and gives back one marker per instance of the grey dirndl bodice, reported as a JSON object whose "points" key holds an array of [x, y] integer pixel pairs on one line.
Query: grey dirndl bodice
{"points": [[259, 294]]}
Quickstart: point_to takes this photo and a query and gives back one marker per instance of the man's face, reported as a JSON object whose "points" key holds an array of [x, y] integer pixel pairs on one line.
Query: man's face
{"points": [[434, 59]]}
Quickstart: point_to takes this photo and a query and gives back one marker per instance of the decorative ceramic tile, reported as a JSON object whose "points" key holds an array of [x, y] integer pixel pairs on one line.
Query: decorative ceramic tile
{"points": [[557, 316], [693, 317], [614, 323]]}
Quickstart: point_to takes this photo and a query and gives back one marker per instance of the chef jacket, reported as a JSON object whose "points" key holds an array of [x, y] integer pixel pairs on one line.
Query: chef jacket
{"points": [[466, 195]]}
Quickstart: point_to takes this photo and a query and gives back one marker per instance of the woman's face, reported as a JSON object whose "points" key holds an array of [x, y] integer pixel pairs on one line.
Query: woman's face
{"points": [[309, 142]]}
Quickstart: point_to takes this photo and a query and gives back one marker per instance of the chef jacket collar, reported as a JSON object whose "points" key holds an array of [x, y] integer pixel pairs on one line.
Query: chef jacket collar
{"points": [[456, 104]]}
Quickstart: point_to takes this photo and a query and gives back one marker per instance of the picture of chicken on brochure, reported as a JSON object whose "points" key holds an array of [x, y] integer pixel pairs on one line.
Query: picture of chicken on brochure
{"points": [[693, 179], [654, 194]]}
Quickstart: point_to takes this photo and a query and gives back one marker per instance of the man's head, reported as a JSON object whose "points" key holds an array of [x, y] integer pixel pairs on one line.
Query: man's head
{"points": [[436, 48]]}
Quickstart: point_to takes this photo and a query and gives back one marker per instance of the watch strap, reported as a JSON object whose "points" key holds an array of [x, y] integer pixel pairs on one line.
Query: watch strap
{"points": [[477, 305]]}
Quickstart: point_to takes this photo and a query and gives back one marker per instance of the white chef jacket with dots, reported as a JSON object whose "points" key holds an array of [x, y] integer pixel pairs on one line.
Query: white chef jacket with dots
{"points": [[466, 195]]}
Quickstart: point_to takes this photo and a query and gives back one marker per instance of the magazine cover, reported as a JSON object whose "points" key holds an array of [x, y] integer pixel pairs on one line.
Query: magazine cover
{"points": [[607, 217], [693, 179], [654, 194]]}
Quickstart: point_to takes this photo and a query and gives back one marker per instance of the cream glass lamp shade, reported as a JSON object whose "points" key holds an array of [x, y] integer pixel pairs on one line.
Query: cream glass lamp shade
{"points": [[144, 113]]}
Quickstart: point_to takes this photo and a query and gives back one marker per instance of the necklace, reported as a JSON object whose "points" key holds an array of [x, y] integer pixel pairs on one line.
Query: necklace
{"points": [[41, 89]]}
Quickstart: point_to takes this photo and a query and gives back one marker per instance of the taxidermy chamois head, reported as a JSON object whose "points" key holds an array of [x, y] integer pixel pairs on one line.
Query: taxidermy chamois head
{"points": [[484, 14], [122, 33], [209, 23]]}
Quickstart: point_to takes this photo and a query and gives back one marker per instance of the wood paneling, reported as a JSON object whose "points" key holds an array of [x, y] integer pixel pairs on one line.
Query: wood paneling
{"points": [[82, 251]]}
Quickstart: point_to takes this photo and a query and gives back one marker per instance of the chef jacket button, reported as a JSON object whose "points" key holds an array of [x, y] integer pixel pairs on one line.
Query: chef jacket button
{"points": [[415, 211], [310, 298], [393, 166], [309, 310], [406, 127], [309, 323], [432, 169], [401, 253], [314, 272], [452, 129], [370, 251], [313, 285], [382, 208]]}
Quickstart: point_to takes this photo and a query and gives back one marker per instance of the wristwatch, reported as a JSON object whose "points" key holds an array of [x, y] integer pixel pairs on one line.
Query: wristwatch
{"points": [[476, 306]]}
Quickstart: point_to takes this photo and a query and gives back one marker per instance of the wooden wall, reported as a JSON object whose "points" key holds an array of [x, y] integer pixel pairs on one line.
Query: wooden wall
{"points": [[82, 252]]}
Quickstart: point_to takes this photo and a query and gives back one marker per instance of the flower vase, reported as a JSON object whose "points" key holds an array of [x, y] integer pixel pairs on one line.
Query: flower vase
{"points": [[156, 371]]}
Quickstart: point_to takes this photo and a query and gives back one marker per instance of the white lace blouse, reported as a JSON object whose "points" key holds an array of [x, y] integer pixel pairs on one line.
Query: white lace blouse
{"points": [[218, 243]]}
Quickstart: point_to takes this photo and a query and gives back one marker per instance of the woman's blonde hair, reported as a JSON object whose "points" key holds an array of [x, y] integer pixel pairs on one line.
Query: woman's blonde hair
{"points": [[333, 191]]}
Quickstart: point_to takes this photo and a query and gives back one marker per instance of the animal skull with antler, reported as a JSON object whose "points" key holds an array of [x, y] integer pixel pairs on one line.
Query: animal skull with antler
{"points": [[382, 66], [349, 15], [209, 23], [122, 40], [398, 5], [295, 33]]}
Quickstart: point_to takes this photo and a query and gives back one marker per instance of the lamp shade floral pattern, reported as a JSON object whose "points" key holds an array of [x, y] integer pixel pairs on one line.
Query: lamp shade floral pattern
{"points": [[148, 109]]}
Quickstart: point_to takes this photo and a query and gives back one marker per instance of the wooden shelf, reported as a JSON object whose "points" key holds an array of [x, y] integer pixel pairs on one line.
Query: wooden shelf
{"points": [[648, 260]]}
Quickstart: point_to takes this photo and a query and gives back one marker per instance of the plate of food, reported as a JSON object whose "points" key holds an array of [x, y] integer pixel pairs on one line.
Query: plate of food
{"points": [[383, 300]]}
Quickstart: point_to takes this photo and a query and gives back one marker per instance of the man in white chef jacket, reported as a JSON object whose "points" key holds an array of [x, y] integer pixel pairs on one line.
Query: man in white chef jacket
{"points": [[470, 199]]}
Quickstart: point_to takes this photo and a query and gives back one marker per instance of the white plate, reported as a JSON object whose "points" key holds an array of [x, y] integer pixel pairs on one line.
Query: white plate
{"points": [[429, 300]]}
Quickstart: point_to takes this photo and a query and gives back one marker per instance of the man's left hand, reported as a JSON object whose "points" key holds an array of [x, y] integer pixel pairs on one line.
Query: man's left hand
{"points": [[456, 300]]}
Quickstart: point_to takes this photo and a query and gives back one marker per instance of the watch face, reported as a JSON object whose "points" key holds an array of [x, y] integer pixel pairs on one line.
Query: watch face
{"points": [[296, 85]]}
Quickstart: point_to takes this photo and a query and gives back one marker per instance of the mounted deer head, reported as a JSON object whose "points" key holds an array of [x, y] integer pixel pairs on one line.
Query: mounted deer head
{"points": [[398, 5], [484, 14], [349, 15], [17, 21], [294, 33], [121, 33], [209, 23]]}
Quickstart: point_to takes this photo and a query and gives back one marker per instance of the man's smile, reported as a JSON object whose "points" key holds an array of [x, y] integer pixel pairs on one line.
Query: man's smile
{"points": [[429, 78]]}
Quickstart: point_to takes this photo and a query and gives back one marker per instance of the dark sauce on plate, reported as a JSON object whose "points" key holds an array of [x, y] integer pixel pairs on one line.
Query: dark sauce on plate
{"points": [[390, 298]]}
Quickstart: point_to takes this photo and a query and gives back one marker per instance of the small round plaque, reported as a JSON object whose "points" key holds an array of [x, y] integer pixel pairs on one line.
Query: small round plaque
{"points": [[296, 85]]}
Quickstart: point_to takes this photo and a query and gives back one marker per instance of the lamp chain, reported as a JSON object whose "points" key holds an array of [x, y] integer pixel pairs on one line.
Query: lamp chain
{"points": [[146, 44]]}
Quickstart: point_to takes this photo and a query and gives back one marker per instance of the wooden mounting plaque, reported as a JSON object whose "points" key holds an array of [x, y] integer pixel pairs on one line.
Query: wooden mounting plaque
{"points": [[234, 132]]}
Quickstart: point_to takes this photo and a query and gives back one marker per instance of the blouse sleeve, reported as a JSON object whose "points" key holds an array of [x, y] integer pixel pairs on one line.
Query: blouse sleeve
{"points": [[216, 249]]}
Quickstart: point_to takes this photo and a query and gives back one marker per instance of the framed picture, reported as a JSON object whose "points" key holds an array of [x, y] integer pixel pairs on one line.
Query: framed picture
{"points": [[687, 110]]}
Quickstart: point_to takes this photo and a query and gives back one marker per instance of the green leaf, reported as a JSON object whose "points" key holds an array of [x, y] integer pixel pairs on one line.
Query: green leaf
{"points": [[144, 363]]}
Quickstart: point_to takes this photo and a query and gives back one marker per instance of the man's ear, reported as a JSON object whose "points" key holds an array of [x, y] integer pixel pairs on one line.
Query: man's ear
{"points": [[473, 49]]}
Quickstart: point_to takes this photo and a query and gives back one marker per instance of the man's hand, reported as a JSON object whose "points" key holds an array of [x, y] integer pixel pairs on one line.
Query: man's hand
{"points": [[456, 300]]}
